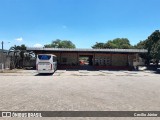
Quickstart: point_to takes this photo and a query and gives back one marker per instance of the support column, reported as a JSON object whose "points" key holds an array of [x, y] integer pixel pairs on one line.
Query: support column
{"points": [[111, 59], [94, 59], [3, 65], [128, 60], [60, 57], [77, 58]]}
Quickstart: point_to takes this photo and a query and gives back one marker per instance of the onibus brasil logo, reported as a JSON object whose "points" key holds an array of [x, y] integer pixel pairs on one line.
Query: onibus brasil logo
{"points": [[21, 114]]}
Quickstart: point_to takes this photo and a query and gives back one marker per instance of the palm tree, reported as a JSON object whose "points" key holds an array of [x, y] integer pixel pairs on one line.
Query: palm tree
{"points": [[17, 56]]}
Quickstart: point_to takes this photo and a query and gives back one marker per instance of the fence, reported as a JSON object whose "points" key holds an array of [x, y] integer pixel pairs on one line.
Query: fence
{"points": [[6, 61]]}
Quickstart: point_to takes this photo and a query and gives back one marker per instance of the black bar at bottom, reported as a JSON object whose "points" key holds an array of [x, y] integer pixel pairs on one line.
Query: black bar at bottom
{"points": [[79, 113]]}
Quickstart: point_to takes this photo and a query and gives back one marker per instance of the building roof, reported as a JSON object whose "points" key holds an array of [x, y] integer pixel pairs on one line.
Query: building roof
{"points": [[87, 50]]}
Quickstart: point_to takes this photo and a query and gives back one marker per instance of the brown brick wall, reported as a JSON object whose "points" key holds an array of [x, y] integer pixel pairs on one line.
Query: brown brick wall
{"points": [[130, 59], [69, 58], [119, 60]]}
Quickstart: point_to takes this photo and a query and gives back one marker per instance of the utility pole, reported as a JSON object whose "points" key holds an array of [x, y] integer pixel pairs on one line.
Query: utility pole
{"points": [[2, 57]]}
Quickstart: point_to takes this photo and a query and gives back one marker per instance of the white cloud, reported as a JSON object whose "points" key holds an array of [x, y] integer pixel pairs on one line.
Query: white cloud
{"points": [[37, 45], [20, 39]]}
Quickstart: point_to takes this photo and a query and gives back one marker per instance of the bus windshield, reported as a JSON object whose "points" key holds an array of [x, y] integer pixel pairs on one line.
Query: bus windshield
{"points": [[44, 57]]}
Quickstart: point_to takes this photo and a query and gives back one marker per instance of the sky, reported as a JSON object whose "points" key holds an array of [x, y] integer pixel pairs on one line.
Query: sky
{"points": [[84, 22]]}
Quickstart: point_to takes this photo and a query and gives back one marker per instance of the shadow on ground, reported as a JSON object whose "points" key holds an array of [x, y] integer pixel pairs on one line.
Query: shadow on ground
{"points": [[44, 74]]}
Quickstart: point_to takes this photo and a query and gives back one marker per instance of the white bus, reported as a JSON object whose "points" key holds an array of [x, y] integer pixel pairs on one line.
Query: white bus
{"points": [[46, 63]]}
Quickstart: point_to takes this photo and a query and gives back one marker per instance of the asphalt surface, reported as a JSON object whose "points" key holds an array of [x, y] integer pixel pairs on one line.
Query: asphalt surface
{"points": [[80, 91]]}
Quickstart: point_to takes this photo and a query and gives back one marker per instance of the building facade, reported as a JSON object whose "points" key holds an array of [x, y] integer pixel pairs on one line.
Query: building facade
{"points": [[93, 58]]}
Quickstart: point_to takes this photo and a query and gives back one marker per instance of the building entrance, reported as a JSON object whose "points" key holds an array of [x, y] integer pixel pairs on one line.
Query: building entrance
{"points": [[86, 60]]}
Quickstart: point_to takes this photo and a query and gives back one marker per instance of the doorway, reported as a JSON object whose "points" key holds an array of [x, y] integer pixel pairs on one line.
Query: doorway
{"points": [[86, 62]]}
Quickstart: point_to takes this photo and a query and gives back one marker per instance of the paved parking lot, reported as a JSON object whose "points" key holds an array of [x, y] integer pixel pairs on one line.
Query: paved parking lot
{"points": [[81, 73], [83, 90]]}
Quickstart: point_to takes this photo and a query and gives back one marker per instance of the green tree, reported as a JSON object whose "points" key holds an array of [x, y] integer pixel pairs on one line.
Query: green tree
{"points": [[98, 45], [15, 47], [119, 43], [60, 44], [153, 46], [21, 48], [18, 54], [141, 45], [155, 51], [110, 45]]}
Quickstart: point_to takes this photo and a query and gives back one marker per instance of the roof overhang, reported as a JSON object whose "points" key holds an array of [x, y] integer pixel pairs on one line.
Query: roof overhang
{"points": [[87, 50]]}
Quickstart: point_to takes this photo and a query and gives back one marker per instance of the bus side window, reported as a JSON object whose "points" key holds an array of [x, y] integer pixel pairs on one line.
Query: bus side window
{"points": [[54, 59]]}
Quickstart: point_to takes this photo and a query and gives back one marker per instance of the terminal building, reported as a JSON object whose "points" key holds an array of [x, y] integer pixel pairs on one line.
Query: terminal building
{"points": [[93, 58]]}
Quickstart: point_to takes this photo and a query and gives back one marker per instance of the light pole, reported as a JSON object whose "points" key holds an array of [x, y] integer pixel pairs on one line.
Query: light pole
{"points": [[2, 57]]}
